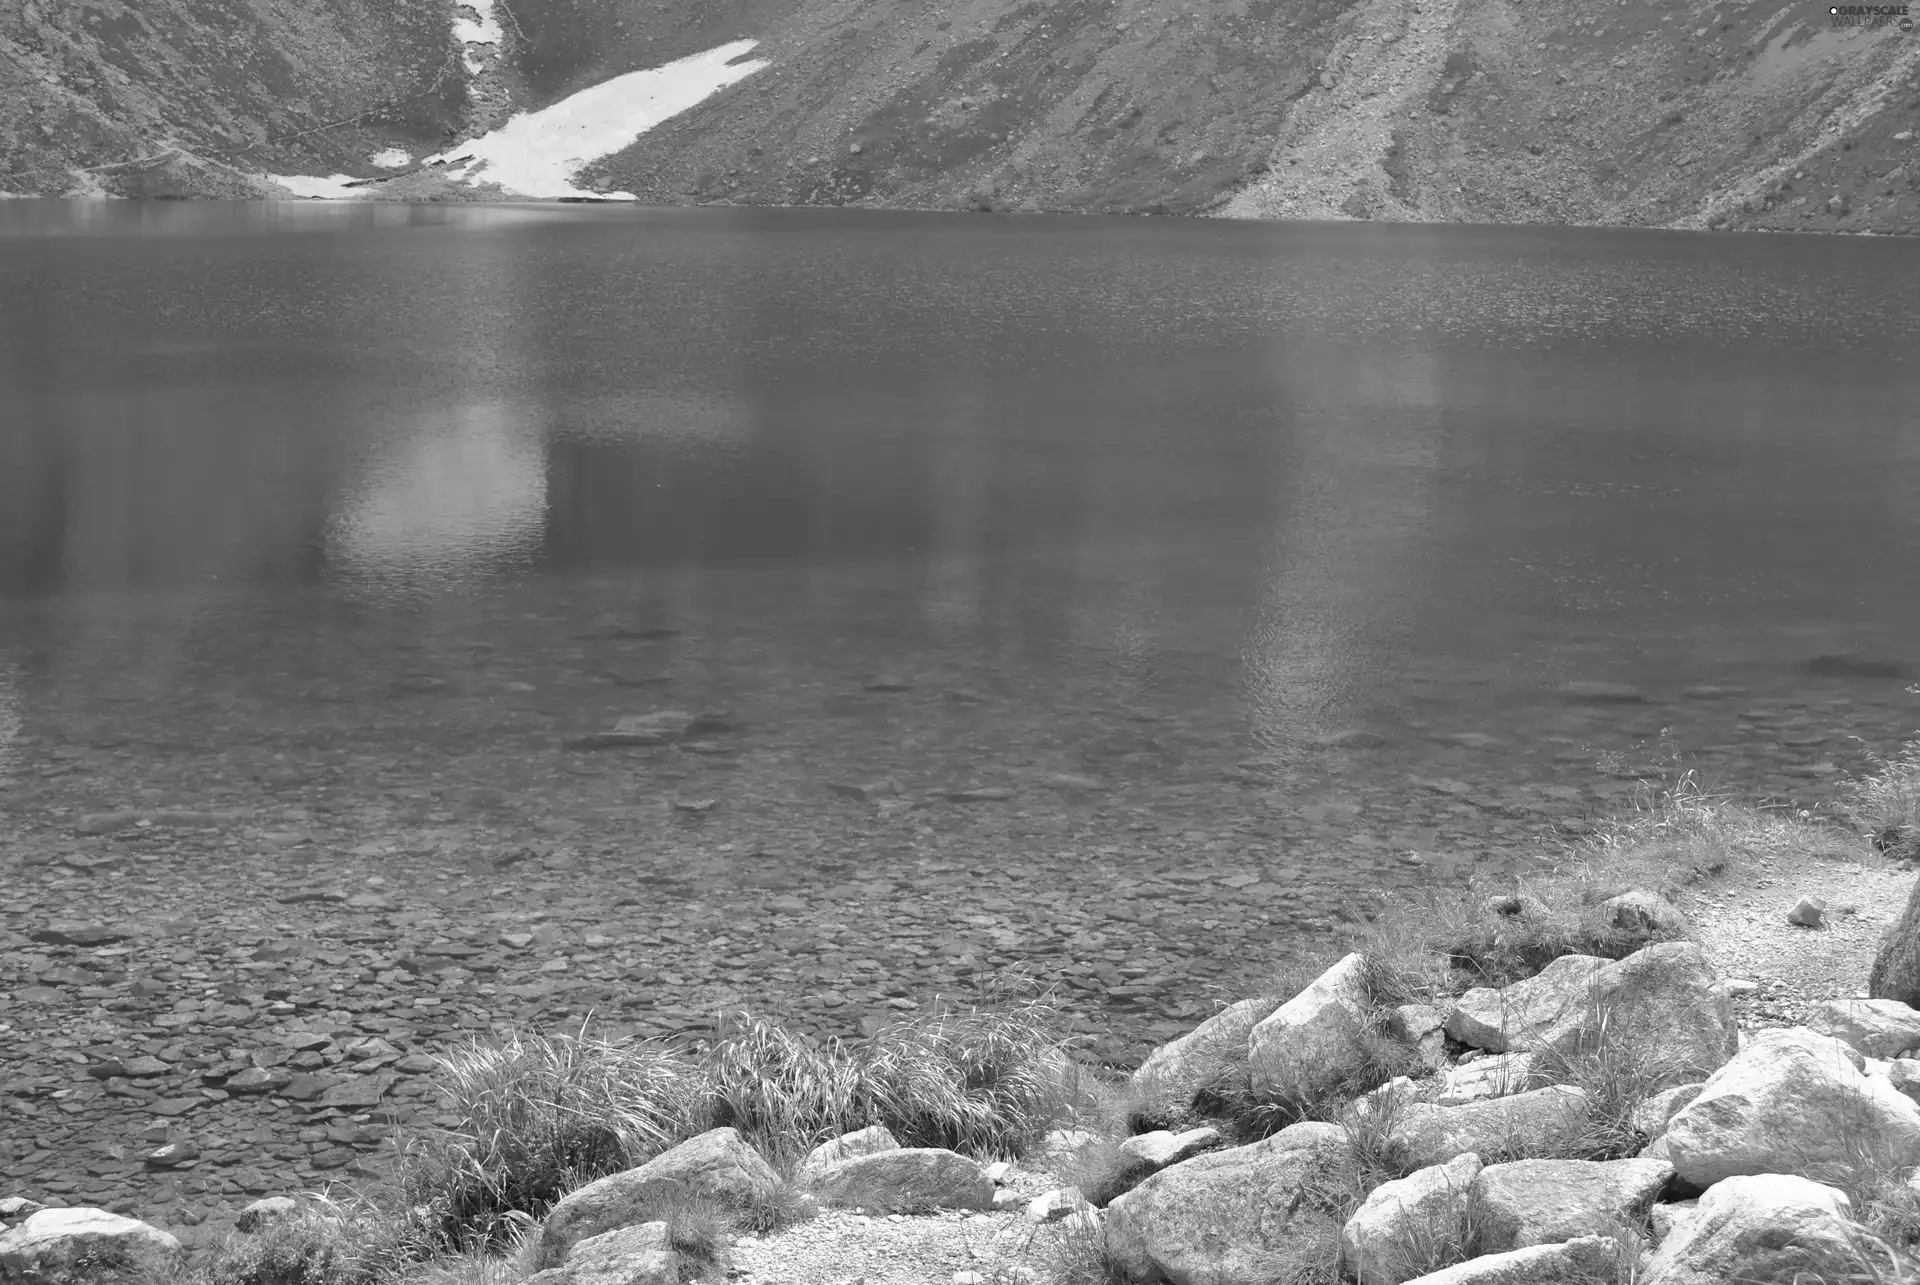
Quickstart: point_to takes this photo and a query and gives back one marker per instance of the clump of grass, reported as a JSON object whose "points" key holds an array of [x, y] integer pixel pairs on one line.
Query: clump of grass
{"points": [[1885, 803], [981, 1080], [542, 1115], [1617, 1076], [331, 1241], [784, 1092]]}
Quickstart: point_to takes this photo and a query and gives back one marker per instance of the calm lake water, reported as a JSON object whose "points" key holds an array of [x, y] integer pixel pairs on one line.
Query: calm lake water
{"points": [[399, 498]]}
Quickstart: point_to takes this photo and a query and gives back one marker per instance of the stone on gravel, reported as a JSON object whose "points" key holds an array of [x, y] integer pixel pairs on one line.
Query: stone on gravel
{"points": [[905, 1179], [1234, 1215], [1767, 1228], [1577, 1262], [1882, 1028], [717, 1164], [862, 1142], [1404, 1223], [1537, 1120], [637, 1255], [1544, 1202], [1314, 1041], [1166, 1081], [1808, 912], [80, 1246], [1791, 1102]]}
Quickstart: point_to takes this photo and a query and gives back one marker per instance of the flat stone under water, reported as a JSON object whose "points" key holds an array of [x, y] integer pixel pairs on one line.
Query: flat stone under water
{"points": [[239, 916]]}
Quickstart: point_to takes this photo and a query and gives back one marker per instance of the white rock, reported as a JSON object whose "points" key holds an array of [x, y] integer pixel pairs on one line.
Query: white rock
{"points": [[1487, 1077], [1544, 1202], [1651, 1116], [1167, 1080], [906, 1178], [1162, 1147], [1762, 1227], [1403, 1224], [53, 1244], [1312, 1042], [863, 1142], [1535, 1120], [1578, 1262], [1794, 1102], [1883, 1028]]}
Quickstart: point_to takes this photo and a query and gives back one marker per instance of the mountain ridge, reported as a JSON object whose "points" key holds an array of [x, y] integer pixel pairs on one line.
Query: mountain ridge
{"points": [[1753, 116]]}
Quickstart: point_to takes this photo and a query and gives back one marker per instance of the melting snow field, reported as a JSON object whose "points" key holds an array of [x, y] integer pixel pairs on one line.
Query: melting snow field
{"points": [[537, 154]]}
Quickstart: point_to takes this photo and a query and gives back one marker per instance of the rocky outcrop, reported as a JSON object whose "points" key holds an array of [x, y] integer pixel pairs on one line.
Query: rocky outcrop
{"points": [[1792, 1102], [716, 1165]]}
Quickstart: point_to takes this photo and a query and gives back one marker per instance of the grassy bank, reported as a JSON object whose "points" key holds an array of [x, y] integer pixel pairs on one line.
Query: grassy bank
{"points": [[991, 1076]]}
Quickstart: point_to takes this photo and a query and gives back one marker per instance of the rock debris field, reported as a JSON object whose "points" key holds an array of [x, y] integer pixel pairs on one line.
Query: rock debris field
{"points": [[229, 956]]}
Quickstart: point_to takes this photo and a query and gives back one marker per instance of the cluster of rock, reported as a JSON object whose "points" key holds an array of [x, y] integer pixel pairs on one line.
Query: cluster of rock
{"points": [[1745, 1139], [1745, 1143]]}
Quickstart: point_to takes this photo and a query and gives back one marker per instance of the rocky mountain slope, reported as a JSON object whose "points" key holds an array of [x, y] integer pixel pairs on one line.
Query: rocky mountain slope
{"points": [[1755, 115]]}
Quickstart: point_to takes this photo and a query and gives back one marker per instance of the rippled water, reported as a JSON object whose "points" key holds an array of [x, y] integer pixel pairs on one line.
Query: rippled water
{"points": [[380, 489]]}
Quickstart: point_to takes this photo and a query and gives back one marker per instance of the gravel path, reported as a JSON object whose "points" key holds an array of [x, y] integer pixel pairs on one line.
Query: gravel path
{"points": [[1744, 930]]}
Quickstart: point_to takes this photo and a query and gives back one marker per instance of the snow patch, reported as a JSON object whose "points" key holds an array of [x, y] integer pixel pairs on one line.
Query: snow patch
{"points": [[392, 159], [536, 154], [331, 188], [482, 29]]}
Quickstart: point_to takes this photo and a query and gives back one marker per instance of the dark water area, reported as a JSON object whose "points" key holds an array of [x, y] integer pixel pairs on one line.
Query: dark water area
{"points": [[1208, 550]]}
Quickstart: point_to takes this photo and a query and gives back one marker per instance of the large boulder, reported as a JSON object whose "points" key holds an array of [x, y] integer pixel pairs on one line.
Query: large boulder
{"points": [[85, 1247], [1405, 1225], [1650, 1116], [1763, 1229], [1166, 1081], [1540, 1119], [1792, 1102], [1882, 1028], [1544, 1202], [639, 1255], [1314, 1041], [905, 1178], [862, 1142], [717, 1165], [1578, 1262], [1664, 1006], [1235, 1215], [1896, 965]]}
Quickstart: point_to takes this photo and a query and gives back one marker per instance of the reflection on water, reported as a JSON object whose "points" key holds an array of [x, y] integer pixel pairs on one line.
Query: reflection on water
{"points": [[1276, 478], [457, 498]]}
